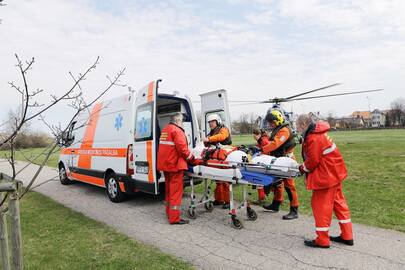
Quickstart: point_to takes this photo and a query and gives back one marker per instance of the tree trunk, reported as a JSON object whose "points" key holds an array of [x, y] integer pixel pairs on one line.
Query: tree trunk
{"points": [[16, 240], [3, 238]]}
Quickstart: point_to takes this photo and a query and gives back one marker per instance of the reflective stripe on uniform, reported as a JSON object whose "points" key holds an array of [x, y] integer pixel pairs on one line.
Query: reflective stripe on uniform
{"points": [[329, 150], [167, 142], [322, 229], [175, 207], [343, 221]]}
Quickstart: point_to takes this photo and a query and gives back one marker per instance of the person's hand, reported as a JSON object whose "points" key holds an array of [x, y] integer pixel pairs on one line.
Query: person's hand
{"points": [[206, 140], [301, 168], [256, 137]]}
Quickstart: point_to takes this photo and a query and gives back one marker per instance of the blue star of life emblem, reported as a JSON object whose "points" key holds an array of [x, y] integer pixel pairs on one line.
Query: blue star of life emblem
{"points": [[118, 122], [143, 127]]}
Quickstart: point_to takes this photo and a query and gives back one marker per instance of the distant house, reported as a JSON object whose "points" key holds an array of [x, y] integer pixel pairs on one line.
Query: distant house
{"points": [[378, 118], [365, 115], [348, 122]]}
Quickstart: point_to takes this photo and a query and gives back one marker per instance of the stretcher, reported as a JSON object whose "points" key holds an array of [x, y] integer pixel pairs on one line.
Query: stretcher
{"points": [[236, 174]]}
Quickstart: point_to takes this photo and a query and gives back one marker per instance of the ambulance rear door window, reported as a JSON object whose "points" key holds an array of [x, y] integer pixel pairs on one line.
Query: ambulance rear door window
{"points": [[144, 123]]}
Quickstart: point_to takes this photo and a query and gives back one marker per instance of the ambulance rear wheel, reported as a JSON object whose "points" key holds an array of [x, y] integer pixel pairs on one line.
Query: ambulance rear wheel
{"points": [[114, 191], [64, 179]]}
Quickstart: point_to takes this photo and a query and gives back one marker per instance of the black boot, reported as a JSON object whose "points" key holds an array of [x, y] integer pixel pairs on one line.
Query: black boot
{"points": [[339, 239], [293, 213], [273, 207], [311, 243]]}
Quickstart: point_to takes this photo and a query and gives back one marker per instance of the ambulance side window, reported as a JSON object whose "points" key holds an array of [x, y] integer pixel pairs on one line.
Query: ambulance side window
{"points": [[143, 122]]}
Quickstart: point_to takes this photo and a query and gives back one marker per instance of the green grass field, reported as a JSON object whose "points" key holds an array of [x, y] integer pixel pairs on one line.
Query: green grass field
{"points": [[375, 187], [55, 237]]}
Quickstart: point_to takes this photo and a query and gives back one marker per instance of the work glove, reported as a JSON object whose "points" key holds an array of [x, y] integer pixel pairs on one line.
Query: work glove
{"points": [[301, 169]]}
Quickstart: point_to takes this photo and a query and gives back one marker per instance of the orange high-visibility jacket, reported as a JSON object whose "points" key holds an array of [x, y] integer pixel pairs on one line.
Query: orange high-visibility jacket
{"points": [[219, 136], [173, 149], [281, 137], [323, 163]]}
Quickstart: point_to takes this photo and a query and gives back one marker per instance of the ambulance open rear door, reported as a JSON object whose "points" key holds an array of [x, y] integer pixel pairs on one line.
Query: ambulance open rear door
{"points": [[144, 145], [214, 102]]}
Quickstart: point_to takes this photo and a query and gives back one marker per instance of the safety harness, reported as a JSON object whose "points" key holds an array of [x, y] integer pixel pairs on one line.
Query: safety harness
{"points": [[287, 145]]}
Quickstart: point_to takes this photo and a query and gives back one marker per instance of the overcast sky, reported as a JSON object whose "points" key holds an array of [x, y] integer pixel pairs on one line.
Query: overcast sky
{"points": [[254, 49]]}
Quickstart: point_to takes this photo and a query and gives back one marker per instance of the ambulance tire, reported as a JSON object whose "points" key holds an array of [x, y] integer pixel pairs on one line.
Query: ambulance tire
{"points": [[64, 180], [114, 191]]}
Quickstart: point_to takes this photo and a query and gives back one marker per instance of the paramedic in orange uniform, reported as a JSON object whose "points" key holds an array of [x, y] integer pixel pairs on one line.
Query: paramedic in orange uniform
{"points": [[281, 144], [173, 155], [219, 134], [325, 170]]}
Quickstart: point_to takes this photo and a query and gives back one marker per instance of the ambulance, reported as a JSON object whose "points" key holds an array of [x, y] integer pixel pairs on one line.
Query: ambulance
{"points": [[115, 144]]}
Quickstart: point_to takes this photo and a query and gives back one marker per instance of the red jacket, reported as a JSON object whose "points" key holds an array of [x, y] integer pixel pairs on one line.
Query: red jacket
{"points": [[323, 163], [173, 149], [263, 141]]}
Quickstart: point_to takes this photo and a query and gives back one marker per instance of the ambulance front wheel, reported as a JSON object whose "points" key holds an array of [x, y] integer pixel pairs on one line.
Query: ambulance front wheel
{"points": [[114, 191], [64, 179]]}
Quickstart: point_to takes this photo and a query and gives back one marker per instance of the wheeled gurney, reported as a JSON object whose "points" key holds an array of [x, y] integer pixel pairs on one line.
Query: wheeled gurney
{"points": [[236, 174]]}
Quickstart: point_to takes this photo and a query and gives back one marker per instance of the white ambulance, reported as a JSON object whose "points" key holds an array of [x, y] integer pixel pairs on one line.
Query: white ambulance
{"points": [[116, 146]]}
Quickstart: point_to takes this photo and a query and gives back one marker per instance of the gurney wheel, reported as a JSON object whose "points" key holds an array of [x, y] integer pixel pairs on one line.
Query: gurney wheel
{"points": [[251, 214], [209, 206], [191, 213], [236, 223]]}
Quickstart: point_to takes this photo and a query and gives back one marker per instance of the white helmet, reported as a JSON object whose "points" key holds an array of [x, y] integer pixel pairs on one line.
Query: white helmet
{"points": [[236, 157], [213, 117]]}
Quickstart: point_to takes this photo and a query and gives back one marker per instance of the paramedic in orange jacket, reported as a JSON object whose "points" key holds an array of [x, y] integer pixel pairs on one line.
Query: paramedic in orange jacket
{"points": [[281, 144], [173, 155], [325, 170], [219, 134]]}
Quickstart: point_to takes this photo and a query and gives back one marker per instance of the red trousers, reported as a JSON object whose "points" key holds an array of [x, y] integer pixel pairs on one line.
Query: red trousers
{"points": [[174, 194], [278, 190], [222, 192], [324, 202]]}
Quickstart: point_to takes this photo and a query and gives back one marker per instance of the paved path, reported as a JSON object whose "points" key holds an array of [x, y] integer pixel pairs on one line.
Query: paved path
{"points": [[210, 243]]}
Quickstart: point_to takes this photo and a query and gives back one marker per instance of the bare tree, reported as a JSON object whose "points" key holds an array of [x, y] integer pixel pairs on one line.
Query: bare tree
{"points": [[30, 109]]}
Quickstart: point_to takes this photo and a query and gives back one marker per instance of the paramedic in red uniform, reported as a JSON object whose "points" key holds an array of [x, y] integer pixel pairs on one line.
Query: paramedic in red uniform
{"points": [[219, 134], [173, 155], [280, 144], [325, 170]]}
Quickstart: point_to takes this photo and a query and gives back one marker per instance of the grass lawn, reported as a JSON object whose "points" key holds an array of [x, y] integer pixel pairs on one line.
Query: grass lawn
{"points": [[55, 237], [32, 153], [375, 187]]}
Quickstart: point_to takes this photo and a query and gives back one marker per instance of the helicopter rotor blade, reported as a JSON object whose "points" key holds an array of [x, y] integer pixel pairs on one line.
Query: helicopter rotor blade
{"points": [[279, 100], [315, 90], [334, 95]]}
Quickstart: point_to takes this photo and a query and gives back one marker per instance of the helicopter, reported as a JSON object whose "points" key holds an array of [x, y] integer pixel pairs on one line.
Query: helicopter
{"points": [[289, 116]]}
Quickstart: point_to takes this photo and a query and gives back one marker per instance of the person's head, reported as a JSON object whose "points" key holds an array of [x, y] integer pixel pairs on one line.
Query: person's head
{"points": [[177, 119], [303, 122], [214, 120], [274, 118]]}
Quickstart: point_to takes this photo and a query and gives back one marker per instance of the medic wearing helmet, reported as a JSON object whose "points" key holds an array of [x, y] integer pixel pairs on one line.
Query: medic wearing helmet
{"points": [[219, 134], [280, 144]]}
